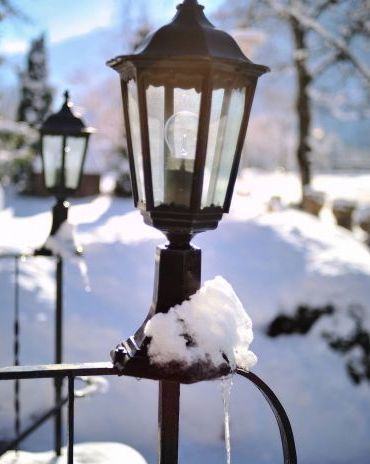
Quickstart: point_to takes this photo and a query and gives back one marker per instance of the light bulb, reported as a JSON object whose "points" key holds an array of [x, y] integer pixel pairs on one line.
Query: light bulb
{"points": [[181, 134]]}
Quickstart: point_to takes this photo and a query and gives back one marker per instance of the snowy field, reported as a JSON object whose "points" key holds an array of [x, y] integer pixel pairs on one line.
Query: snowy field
{"points": [[275, 262]]}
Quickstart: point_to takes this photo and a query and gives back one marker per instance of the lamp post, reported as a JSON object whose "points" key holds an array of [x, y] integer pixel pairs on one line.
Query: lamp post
{"points": [[64, 141], [187, 95]]}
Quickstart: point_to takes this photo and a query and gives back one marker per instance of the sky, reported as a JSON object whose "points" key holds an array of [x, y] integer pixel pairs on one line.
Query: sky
{"points": [[64, 19]]}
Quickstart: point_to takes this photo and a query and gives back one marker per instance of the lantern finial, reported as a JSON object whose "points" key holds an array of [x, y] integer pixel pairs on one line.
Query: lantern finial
{"points": [[190, 4], [67, 101]]}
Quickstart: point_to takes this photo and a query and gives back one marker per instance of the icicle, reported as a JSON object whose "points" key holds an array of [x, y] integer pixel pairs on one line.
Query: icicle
{"points": [[84, 274], [64, 244], [226, 385]]}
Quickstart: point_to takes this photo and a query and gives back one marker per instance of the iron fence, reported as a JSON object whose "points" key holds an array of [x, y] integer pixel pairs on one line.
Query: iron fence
{"points": [[139, 369], [58, 349], [72, 371]]}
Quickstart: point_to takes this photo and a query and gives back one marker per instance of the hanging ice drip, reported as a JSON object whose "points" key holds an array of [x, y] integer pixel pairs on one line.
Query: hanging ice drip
{"points": [[181, 136]]}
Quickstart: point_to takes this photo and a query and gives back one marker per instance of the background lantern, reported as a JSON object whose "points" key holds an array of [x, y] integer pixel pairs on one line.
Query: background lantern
{"points": [[64, 141], [187, 96]]}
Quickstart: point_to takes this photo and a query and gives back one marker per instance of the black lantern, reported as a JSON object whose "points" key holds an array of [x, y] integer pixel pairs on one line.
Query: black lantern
{"points": [[64, 141], [187, 95]]}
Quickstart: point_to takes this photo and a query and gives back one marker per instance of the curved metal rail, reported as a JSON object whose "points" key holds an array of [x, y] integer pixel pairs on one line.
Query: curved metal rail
{"points": [[285, 429], [76, 370]]}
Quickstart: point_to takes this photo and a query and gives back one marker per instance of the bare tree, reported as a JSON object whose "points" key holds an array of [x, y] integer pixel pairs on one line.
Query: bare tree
{"points": [[330, 43]]}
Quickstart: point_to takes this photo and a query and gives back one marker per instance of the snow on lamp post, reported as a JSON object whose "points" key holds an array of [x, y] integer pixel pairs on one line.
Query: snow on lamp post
{"points": [[64, 142], [187, 95]]}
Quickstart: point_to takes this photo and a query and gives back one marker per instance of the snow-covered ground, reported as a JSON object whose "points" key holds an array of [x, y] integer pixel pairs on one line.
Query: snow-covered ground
{"points": [[275, 261]]}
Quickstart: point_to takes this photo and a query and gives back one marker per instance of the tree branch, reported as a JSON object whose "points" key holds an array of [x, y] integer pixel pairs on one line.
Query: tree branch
{"points": [[324, 64], [339, 106], [310, 23]]}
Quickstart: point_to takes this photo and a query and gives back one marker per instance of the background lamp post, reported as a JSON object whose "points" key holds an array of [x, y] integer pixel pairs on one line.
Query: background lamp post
{"points": [[187, 95], [64, 140]]}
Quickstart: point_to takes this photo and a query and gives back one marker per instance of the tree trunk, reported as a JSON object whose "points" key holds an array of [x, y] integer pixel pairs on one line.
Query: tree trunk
{"points": [[303, 107]]}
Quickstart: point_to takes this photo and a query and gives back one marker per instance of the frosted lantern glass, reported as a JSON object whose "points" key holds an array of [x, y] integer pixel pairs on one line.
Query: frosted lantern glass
{"points": [[226, 117], [217, 99], [52, 148], [181, 129], [74, 154], [134, 118], [155, 103]]}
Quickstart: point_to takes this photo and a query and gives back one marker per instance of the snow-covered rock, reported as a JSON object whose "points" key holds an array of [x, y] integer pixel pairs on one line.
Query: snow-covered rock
{"points": [[84, 453]]}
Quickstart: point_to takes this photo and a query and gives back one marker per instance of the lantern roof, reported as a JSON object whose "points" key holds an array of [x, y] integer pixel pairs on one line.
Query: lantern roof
{"points": [[65, 121], [190, 35]]}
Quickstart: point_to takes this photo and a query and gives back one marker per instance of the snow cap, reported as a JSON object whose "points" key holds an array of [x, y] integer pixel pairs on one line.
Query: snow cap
{"points": [[212, 328]]}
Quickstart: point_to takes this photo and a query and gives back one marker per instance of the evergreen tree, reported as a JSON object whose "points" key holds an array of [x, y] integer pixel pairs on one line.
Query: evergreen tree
{"points": [[36, 94]]}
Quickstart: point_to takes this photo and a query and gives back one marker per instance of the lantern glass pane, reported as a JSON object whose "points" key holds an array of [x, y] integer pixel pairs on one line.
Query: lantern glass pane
{"points": [[52, 151], [227, 112], [74, 157], [156, 122], [173, 118], [134, 121]]}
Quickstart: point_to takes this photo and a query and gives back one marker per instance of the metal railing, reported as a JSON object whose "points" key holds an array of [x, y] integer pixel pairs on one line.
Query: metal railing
{"points": [[55, 412], [141, 368], [72, 371]]}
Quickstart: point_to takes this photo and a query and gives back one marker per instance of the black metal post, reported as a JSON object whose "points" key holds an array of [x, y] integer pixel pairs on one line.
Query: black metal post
{"points": [[178, 272], [17, 405], [71, 400], [58, 354], [168, 421], [60, 214]]}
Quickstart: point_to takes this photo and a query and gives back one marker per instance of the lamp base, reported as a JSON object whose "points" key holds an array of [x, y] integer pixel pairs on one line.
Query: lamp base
{"points": [[173, 220], [177, 278], [137, 364]]}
